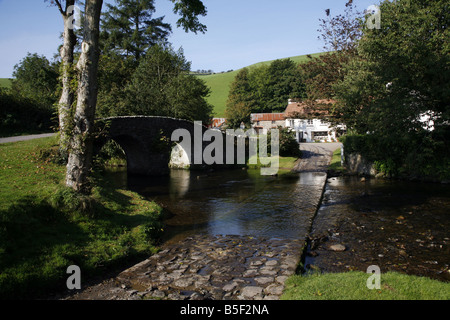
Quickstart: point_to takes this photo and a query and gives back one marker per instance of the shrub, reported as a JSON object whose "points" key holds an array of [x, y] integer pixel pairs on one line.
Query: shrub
{"points": [[19, 115], [289, 146]]}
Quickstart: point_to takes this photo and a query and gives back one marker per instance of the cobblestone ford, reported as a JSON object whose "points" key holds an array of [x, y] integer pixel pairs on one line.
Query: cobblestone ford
{"points": [[208, 267]]}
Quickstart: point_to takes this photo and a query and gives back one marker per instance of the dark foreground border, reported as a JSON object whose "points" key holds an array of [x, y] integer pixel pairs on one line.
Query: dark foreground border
{"points": [[170, 310]]}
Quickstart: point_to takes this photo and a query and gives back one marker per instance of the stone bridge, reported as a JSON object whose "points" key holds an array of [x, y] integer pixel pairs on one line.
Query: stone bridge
{"points": [[151, 148]]}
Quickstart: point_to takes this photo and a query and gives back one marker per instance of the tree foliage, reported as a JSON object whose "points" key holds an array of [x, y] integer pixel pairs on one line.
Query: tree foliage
{"points": [[263, 89], [129, 29], [322, 74], [139, 72], [401, 73], [36, 78], [169, 90], [240, 101], [19, 114], [189, 11]]}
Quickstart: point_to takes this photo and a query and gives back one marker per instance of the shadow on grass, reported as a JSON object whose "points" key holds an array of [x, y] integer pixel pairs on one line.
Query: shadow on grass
{"points": [[40, 239]]}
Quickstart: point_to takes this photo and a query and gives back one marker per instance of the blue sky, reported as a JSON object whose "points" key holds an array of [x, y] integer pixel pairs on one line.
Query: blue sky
{"points": [[240, 32]]}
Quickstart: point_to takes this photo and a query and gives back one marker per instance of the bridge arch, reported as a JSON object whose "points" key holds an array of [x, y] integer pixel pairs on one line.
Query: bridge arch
{"points": [[146, 141]]}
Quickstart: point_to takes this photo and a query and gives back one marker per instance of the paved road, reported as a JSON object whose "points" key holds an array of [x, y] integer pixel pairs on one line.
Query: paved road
{"points": [[316, 157], [24, 138]]}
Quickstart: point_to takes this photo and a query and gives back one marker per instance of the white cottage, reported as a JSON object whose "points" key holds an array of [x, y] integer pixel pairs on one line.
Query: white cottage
{"points": [[300, 118], [263, 122]]}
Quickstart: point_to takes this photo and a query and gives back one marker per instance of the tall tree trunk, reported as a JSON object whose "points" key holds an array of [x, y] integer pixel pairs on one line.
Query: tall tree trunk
{"points": [[81, 144], [67, 95]]}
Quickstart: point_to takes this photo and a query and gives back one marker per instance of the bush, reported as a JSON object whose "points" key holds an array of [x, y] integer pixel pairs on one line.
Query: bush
{"points": [[420, 155], [289, 146], [21, 115]]}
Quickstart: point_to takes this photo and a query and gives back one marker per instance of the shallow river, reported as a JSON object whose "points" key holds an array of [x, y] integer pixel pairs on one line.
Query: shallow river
{"points": [[399, 225], [237, 202]]}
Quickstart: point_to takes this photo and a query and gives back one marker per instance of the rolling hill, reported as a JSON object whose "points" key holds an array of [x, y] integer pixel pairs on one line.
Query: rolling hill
{"points": [[5, 83], [220, 84]]}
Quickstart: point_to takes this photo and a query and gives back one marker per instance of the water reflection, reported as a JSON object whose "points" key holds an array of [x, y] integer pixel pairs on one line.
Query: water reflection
{"points": [[238, 202]]}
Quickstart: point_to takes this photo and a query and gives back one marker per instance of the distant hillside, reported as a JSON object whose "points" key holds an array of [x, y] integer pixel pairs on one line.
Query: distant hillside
{"points": [[220, 84], [5, 83]]}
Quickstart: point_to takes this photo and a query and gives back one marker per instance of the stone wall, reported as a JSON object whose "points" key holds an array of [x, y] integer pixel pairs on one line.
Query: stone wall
{"points": [[355, 163]]}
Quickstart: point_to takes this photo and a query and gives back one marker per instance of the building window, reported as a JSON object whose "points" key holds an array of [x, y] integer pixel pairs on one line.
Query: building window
{"points": [[273, 121], [310, 121]]}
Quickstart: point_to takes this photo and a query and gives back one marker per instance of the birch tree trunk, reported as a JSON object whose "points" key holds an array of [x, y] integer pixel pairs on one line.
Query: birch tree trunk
{"points": [[81, 143], [67, 95]]}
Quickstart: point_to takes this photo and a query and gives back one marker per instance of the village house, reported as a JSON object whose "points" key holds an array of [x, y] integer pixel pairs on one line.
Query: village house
{"points": [[310, 124], [217, 123], [263, 122]]}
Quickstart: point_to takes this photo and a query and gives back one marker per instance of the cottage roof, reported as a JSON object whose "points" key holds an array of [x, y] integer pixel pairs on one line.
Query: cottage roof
{"points": [[307, 109], [267, 117]]}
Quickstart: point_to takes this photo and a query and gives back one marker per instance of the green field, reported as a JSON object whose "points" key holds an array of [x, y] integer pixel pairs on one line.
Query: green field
{"points": [[5, 83], [45, 227], [220, 84]]}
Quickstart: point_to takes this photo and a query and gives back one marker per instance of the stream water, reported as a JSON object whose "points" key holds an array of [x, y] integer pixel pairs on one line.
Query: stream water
{"points": [[397, 225]]}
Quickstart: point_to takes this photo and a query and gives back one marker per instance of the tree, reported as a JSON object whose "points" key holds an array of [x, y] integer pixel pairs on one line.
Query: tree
{"points": [[321, 74], [284, 82], [404, 67], [258, 82], [189, 11], [124, 44], [37, 79], [115, 73], [81, 143], [265, 89], [67, 69], [341, 32], [240, 101], [169, 90], [128, 28], [401, 73]]}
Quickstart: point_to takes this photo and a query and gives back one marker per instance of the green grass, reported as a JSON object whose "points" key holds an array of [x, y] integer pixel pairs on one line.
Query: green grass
{"points": [[352, 286], [335, 164], [286, 164], [220, 84], [45, 227], [5, 83]]}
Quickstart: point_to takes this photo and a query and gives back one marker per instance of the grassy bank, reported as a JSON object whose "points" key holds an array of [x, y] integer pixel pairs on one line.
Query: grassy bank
{"points": [[44, 227], [353, 286], [335, 164], [286, 164]]}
